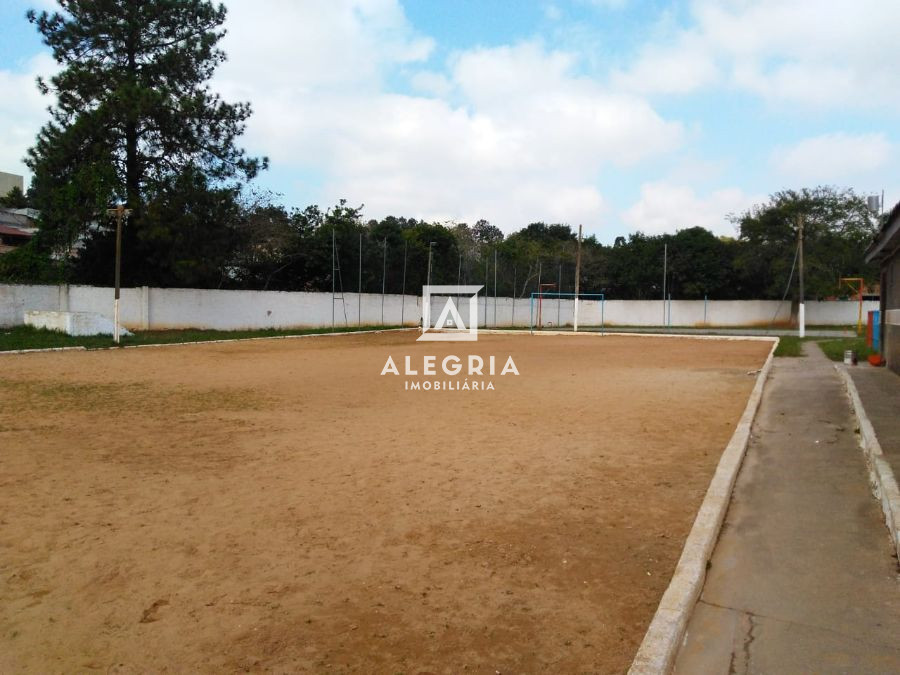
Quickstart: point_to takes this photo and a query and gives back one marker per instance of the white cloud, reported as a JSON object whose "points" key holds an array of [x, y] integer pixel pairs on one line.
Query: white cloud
{"points": [[22, 111], [833, 158], [608, 4], [668, 207], [317, 45], [510, 133], [429, 82], [674, 69], [552, 11], [837, 53]]}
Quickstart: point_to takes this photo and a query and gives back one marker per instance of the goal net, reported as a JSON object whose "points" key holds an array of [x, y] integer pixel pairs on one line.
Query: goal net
{"points": [[566, 311]]}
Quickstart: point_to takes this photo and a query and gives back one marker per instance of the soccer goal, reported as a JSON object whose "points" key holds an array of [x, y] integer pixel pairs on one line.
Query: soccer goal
{"points": [[561, 311]]}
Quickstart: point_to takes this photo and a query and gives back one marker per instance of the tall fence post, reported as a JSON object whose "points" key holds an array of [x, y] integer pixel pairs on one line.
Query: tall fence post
{"points": [[403, 290]]}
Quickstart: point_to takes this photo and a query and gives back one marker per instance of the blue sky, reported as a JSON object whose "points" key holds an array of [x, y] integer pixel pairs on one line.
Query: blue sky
{"points": [[621, 115]]}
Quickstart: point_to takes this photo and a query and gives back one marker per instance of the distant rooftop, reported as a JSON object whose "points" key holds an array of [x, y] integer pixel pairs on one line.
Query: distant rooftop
{"points": [[20, 219]]}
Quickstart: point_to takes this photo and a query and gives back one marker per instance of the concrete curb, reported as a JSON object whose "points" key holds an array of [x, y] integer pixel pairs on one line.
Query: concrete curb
{"points": [[881, 476], [46, 349], [691, 336], [660, 646], [489, 331], [272, 337], [204, 342]]}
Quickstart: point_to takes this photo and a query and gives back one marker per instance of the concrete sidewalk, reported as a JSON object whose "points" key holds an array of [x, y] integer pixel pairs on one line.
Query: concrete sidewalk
{"points": [[879, 390], [803, 577], [689, 330]]}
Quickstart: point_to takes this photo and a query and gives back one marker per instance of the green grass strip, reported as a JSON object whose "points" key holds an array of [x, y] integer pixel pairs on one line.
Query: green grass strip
{"points": [[27, 337]]}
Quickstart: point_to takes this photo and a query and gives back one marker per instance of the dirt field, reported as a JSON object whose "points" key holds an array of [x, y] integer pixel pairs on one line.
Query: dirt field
{"points": [[281, 506]]}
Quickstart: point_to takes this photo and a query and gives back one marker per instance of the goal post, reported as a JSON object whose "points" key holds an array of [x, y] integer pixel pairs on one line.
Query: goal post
{"points": [[585, 309]]}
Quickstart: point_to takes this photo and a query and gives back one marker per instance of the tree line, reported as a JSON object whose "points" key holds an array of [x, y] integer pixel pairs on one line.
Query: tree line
{"points": [[227, 240], [135, 122]]}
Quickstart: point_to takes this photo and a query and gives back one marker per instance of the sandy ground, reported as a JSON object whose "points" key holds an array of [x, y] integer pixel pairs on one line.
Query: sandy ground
{"points": [[281, 506]]}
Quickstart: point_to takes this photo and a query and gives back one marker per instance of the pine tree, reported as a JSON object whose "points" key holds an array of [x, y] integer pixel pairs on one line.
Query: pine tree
{"points": [[134, 119]]}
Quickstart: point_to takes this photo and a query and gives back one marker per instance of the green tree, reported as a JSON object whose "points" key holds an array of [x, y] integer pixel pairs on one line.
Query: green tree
{"points": [[134, 120], [270, 251], [700, 265], [485, 233], [837, 228], [14, 199], [636, 267]]}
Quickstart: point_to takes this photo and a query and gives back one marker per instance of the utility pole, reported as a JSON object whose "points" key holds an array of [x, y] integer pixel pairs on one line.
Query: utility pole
{"points": [[383, 274], [359, 287], [403, 290], [428, 280], [486, 289], [559, 298], [801, 310], [515, 281], [665, 263], [332, 279], [577, 277], [495, 288], [119, 212]]}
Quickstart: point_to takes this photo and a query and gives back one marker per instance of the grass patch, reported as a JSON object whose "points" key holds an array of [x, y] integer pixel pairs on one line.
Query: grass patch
{"points": [[834, 349], [26, 337], [790, 346]]}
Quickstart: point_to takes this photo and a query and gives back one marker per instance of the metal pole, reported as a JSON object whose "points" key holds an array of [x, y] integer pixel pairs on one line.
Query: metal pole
{"points": [[383, 274], [602, 313], [540, 296], [665, 263], [359, 287], [513, 320], [531, 315], [485, 290], [428, 283], [801, 310], [332, 279], [577, 277], [120, 212], [495, 288], [859, 318], [559, 298], [403, 290]]}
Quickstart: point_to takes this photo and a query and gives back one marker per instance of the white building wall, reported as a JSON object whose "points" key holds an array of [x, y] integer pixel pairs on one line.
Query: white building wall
{"points": [[165, 308]]}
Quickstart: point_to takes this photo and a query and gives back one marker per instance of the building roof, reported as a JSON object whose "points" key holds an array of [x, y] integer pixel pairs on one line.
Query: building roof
{"points": [[15, 231], [887, 241], [18, 218]]}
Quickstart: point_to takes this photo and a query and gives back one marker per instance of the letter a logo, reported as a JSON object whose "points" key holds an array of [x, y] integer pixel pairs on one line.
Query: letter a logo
{"points": [[449, 314]]}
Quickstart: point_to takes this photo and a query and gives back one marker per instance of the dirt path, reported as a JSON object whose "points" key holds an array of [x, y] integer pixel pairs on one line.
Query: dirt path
{"points": [[280, 505]]}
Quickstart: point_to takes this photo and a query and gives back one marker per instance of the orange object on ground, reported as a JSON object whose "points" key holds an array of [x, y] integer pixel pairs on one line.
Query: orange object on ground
{"points": [[876, 360]]}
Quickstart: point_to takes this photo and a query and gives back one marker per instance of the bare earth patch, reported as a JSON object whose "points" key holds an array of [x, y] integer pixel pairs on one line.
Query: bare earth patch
{"points": [[281, 506]]}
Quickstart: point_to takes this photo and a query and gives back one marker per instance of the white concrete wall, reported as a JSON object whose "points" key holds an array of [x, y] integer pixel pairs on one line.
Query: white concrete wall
{"points": [[161, 308], [71, 323], [591, 312], [233, 310], [15, 300]]}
